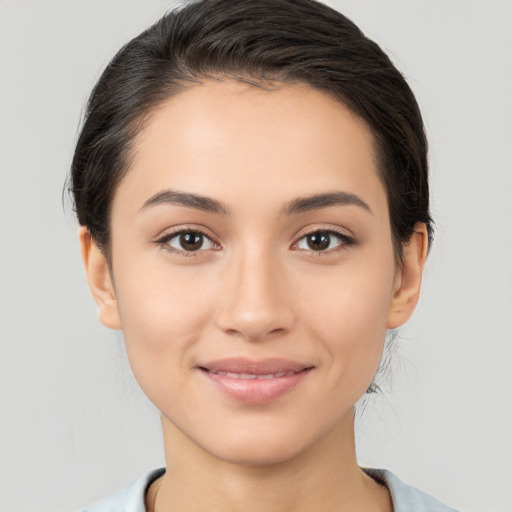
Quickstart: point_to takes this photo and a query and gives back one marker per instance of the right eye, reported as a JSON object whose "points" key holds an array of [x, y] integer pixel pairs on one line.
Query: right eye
{"points": [[187, 242]]}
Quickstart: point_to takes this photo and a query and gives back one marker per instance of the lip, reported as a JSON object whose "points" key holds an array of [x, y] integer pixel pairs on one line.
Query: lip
{"points": [[255, 382]]}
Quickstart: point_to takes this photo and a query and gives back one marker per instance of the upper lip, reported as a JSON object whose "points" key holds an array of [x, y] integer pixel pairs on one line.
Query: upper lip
{"points": [[261, 367]]}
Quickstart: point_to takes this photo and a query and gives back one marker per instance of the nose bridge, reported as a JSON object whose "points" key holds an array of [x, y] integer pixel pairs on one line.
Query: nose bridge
{"points": [[255, 300]]}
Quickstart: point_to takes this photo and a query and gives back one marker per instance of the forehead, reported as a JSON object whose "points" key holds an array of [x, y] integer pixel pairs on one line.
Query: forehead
{"points": [[222, 138]]}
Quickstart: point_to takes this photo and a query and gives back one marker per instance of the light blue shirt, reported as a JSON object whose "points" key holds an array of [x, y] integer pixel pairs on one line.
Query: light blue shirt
{"points": [[404, 497]]}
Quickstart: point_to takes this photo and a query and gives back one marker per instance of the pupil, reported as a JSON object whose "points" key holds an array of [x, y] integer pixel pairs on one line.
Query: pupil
{"points": [[191, 241], [319, 241]]}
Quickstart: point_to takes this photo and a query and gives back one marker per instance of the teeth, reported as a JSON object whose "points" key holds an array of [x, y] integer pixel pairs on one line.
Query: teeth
{"points": [[232, 375], [248, 376]]}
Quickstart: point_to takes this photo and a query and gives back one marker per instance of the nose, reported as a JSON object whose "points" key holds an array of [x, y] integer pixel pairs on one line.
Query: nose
{"points": [[256, 302]]}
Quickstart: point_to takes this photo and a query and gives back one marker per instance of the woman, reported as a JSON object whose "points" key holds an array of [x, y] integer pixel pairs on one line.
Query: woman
{"points": [[251, 185]]}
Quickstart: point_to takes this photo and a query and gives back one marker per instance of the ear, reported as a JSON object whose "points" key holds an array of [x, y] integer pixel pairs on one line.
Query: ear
{"points": [[99, 279], [406, 290]]}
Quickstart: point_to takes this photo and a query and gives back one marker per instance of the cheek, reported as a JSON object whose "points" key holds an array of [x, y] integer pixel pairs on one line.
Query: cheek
{"points": [[348, 314], [163, 313]]}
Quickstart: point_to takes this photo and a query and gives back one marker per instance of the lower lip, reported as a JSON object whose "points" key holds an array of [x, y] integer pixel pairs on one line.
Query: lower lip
{"points": [[256, 391]]}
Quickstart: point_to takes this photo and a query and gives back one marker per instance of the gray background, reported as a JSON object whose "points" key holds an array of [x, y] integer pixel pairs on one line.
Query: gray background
{"points": [[74, 425]]}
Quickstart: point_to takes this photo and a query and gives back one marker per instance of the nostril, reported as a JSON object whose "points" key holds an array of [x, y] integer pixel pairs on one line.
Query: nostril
{"points": [[253, 333]]}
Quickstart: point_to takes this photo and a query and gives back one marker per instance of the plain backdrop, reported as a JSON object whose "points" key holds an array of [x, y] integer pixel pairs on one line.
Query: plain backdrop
{"points": [[74, 425]]}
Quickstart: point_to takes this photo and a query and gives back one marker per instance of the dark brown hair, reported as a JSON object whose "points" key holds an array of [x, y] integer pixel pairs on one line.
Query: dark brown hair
{"points": [[266, 43]]}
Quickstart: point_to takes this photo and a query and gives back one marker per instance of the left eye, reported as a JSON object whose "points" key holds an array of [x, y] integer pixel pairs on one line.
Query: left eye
{"points": [[322, 241], [189, 241]]}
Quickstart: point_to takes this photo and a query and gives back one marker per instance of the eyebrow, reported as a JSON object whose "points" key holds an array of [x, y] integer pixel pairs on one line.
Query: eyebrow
{"points": [[319, 201], [299, 205], [206, 204]]}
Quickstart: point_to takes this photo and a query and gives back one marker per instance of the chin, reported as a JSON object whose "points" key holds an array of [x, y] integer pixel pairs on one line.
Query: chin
{"points": [[258, 454], [263, 444]]}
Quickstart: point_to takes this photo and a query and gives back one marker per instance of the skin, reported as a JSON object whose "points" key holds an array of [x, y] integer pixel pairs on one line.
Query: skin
{"points": [[256, 290]]}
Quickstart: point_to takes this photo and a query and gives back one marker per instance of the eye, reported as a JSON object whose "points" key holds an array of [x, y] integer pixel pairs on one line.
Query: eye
{"points": [[187, 241], [322, 241]]}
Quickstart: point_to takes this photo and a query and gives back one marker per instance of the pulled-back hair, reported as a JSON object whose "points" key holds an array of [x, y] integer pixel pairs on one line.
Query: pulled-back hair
{"points": [[266, 43]]}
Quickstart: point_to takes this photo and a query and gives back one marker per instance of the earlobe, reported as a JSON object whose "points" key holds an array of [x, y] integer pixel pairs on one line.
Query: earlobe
{"points": [[99, 279], [408, 280]]}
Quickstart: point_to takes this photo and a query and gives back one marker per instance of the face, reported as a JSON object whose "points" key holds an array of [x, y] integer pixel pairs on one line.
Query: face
{"points": [[253, 273]]}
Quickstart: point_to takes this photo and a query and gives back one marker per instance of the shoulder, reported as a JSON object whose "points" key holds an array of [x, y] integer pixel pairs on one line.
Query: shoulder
{"points": [[130, 499], [404, 497]]}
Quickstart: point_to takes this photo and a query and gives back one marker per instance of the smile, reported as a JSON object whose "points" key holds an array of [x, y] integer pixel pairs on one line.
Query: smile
{"points": [[276, 375], [255, 382]]}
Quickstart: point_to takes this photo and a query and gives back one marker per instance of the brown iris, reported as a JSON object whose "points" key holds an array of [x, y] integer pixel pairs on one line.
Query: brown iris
{"points": [[319, 241], [191, 240]]}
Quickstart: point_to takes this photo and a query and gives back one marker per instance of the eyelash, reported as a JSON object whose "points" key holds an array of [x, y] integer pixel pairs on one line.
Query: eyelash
{"points": [[345, 241], [163, 241]]}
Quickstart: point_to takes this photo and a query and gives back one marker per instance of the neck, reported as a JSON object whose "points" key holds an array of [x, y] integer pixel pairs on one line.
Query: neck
{"points": [[325, 478]]}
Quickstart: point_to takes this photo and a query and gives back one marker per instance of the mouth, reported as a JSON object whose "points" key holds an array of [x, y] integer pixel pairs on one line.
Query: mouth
{"points": [[255, 382], [234, 375]]}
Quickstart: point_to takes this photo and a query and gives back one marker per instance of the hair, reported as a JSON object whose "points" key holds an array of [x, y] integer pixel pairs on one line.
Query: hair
{"points": [[266, 43]]}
